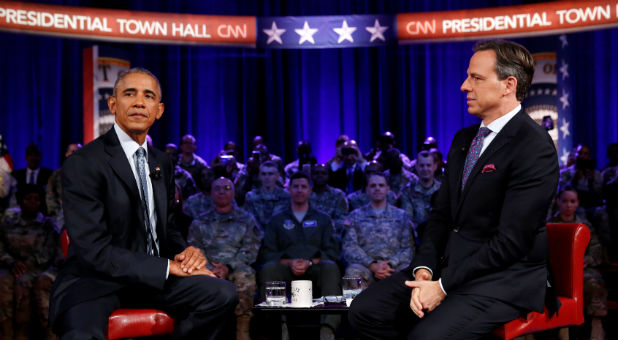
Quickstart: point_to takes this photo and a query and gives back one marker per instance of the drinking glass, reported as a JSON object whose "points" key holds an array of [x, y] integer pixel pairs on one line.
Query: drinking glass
{"points": [[352, 286], [275, 293]]}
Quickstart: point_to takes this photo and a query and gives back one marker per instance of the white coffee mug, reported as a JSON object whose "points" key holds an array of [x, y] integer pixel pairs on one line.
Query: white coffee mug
{"points": [[302, 293]]}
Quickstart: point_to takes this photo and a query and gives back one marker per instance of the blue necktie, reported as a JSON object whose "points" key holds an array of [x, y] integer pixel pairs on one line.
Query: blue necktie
{"points": [[473, 154], [140, 162]]}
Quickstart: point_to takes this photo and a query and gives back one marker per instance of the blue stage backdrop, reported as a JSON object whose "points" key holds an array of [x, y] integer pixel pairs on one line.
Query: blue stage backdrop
{"points": [[221, 94]]}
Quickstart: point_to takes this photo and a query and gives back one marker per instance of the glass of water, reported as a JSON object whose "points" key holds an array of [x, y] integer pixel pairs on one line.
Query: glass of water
{"points": [[275, 293], [352, 286]]}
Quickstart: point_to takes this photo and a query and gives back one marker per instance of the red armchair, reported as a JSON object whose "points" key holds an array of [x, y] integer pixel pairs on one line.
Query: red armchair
{"points": [[132, 323], [567, 245]]}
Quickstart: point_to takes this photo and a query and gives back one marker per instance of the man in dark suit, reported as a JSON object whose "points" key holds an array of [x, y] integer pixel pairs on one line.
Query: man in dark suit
{"points": [[125, 251], [483, 257], [33, 173], [350, 176]]}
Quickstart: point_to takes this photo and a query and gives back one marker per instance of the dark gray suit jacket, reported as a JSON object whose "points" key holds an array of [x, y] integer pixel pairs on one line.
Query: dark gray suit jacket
{"points": [[102, 209], [490, 239]]}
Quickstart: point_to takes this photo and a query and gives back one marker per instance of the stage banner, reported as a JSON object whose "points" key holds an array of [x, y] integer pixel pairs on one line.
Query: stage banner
{"points": [[127, 26], [509, 21], [326, 31], [336, 31], [100, 73]]}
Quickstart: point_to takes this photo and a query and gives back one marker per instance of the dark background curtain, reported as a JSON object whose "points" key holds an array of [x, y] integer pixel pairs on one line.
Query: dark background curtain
{"points": [[219, 94]]}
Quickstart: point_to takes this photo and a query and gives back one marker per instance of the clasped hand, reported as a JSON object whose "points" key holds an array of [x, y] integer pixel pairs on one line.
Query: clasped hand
{"points": [[189, 262], [426, 294]]}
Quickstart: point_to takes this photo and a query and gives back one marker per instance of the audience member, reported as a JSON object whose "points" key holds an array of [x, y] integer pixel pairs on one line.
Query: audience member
{"points": [[269, 199], [189, 160], [229, 237], [33, 173], [610, 194], [53, 191], [225, 165], [28, 249], [299, 243], [182, 177], [329, 200], [259, 144], [585, 179], [348, 177], [398, 177], [304, 162], [416, 196], [337, 159], [201, 202], [360, 198], [385, 142], [595, 293], [377, 239]]}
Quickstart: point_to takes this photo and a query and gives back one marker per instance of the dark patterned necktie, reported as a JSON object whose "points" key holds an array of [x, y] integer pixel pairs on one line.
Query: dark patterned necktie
{"points": [[140, 162], [473, 154]]}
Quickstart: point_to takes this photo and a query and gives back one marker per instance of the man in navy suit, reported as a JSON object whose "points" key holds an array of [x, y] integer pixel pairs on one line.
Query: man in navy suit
{"points": [[118, 197], [483, 257]]}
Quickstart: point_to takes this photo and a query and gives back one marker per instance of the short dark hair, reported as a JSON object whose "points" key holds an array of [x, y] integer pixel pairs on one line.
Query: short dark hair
{"points": [[141, 70], [27, 189], [33, 149], [376, 173], [512, 59], [564, 188], [300, 174], [268, 164]]}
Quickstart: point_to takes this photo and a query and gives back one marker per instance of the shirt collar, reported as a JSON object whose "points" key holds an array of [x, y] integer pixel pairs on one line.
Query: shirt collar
{"points": [[129, 146], [499, 123]]}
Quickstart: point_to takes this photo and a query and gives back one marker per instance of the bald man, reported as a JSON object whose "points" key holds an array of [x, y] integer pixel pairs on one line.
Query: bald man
{"points": [[229, 237]]}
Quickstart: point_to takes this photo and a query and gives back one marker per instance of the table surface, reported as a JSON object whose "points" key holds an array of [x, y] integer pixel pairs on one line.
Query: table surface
{"points": [[324, 308]]}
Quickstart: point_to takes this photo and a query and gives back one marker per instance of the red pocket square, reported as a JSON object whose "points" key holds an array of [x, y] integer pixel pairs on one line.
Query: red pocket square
{"points": [[488, 168]]}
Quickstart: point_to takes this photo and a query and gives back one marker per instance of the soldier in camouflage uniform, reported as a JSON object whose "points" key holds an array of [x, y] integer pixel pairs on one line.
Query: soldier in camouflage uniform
{"points": [[28, 249], [53, 190], [201, 202], [269, 199], [182, 177], [396, 175], [595, 292], [416, 197], [359, 197], [229, 237], [378, 236], [329, 200]]}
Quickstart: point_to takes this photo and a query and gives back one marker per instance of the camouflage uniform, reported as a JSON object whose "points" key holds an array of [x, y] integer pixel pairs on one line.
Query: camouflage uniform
{"points": [[195, 167], [416, 201], [185, 182], [264, 205], [360, 198], [232, 239], [53, 194], [397, 182], [197, 204], [371, 236], [34, 243], [333, 203], [595, 293]]}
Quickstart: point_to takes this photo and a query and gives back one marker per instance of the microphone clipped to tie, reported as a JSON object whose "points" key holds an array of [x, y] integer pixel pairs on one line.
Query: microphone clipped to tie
{"points": [[156, 174]]}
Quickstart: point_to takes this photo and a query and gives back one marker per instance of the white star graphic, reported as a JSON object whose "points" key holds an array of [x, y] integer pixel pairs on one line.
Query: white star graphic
{"points": [[554, 92], [565, 156], [564, 127], [274, 34], [563, 39], [345, 32], [376, 31], [306, 33], [564, 69], [564, 99]]}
